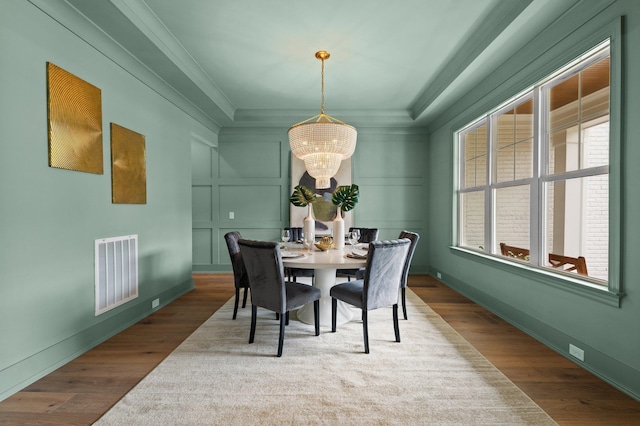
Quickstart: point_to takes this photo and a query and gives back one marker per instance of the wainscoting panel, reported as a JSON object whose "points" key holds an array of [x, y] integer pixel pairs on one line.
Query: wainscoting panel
{"points": [[201, 203], [250, 159], [202, 242], [251, 205]]}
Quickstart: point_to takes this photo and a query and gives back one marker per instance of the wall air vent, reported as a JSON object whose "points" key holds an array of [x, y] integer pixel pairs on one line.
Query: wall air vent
{"points": [[116, 265]]}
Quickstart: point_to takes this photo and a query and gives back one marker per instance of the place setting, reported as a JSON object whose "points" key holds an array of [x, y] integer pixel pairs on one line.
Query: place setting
{"points": [[286, 246], [358, 250]]}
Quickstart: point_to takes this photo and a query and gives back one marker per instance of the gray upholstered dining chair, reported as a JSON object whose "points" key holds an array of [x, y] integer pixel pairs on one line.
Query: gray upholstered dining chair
{"points": [[378, 288], [294, 273], [270, 290], [366, 236], [413, 237], [240, 277]]}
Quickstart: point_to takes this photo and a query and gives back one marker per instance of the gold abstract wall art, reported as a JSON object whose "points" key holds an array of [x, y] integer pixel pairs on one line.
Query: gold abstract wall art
{"points": [[74, 110], [128, 166]]}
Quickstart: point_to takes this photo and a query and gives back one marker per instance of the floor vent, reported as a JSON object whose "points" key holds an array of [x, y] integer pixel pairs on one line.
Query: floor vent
{"points": [[116, 265]]}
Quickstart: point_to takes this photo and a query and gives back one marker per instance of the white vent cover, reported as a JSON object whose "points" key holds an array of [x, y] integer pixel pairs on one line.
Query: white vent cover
{"points": [[116, 264]]}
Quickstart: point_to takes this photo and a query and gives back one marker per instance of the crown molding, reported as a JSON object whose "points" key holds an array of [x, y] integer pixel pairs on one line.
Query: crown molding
{"points": [[500, 17], [68, 16], [139, 13], [356, 118]]}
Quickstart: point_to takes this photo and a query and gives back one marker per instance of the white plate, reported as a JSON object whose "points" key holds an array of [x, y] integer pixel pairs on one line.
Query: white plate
{"points": [[290, 255]]}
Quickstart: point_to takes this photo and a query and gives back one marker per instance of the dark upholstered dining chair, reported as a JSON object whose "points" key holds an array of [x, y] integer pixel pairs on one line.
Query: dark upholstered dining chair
{"points": [[366, 236], [293, 273], [240, 277], [413, 237], [269, 289], [378, 288]]}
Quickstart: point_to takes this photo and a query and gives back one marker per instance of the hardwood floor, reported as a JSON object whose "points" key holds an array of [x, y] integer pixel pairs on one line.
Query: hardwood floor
{"points": [[82, 390]]}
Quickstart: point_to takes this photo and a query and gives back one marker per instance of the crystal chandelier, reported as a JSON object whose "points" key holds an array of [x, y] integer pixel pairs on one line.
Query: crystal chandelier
{"points": [[322, 141]]}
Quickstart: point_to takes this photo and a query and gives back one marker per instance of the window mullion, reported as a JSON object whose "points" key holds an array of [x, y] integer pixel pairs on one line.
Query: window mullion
{"points": [[489, 210], [540, 158]]}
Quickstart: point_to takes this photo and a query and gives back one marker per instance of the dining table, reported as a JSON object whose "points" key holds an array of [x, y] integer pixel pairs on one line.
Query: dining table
{"points": [[325, 265]]}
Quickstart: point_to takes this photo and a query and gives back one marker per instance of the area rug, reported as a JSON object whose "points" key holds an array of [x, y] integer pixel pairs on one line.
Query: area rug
{"points": [[433, 376]]}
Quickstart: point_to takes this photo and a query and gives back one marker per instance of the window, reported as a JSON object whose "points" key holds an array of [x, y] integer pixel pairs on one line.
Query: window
{"points": [[534, 174]]}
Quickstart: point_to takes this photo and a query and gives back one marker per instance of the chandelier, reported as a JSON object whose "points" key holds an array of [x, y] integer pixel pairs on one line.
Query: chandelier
{"points": [[322, 141]]}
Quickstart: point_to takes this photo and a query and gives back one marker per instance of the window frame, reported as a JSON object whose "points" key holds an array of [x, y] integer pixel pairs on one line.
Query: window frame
{"points": [[612, 292]]}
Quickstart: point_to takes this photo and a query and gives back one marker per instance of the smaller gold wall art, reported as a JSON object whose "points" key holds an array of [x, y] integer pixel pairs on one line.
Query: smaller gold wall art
{"points": [[128, 166], [74, 109]]}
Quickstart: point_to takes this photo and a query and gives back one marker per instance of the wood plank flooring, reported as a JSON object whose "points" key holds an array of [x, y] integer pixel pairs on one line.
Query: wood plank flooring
{"points": [[82, 390]]}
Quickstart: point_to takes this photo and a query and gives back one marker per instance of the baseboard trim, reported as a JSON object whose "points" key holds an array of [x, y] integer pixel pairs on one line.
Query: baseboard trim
{"points": [[23, 373], [612, 371]]}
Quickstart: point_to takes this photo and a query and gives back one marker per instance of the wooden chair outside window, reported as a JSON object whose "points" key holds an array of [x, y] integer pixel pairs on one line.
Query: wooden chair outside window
{"points": [[557, 261]]}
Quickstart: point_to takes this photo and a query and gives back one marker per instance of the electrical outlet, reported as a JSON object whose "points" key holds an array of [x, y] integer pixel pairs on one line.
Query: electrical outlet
{"points": [[155, 303], [576, 352], [232, 215], [439, 275]]}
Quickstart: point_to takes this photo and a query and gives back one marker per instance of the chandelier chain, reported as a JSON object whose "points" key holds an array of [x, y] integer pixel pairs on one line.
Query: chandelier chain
{"points": [[322, 104]]}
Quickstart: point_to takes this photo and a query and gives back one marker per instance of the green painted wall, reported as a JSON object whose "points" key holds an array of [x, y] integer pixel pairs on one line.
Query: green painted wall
{"points": [[49, 218], [548, 310], [249, 174]]}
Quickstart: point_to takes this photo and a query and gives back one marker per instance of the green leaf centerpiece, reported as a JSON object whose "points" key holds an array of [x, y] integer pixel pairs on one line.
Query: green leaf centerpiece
{"points": [[346, 197], [302, 196]]}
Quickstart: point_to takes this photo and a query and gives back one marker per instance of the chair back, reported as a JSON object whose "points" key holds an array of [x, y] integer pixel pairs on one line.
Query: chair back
{"points": [[266, 274], [515, 252], [385, 263], [557, 261], [366, 234], [413, 237], [296, 233], [568, 263], [240, 277]]}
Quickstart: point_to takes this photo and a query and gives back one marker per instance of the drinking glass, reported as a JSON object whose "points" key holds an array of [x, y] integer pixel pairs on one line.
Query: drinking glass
{"points": [[307, 241], [286, 235], [353, 239]]}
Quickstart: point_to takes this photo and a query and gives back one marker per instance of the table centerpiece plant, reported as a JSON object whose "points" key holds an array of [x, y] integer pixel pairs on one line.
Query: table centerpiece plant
{"points": [[305, 197], [345, 197]]}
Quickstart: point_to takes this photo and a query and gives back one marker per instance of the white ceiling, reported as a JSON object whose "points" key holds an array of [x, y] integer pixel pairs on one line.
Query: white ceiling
{"points": [[251, 62]]}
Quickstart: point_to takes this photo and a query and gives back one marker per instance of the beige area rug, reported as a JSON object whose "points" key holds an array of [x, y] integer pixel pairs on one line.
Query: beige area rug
{"points": [[432, 377]]}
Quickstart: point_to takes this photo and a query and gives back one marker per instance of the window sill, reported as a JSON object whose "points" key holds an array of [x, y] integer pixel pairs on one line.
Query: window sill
{"points": [[560, 281]]}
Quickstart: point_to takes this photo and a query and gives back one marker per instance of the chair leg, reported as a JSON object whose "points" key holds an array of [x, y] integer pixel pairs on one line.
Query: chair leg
{"points": [[277, 316], [404, 302], [316, 315], [286, 318], [281, 339], [244, 299], [254, 314], [396, 326], [334, 314], [235, 305], [365, 331]]}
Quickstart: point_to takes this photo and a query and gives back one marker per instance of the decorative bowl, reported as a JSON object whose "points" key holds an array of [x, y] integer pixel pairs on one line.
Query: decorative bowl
{"points": [[325, 243]]}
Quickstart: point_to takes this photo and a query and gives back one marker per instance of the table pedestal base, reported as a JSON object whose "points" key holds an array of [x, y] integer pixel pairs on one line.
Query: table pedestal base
{"points": [[325, 279]]}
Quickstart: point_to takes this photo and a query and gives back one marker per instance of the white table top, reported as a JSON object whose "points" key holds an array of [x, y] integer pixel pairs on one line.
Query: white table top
{"points": [[317, 259]]}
